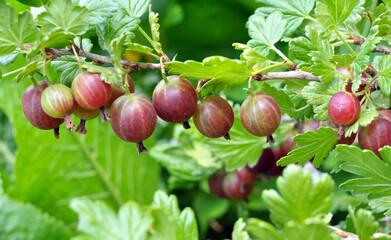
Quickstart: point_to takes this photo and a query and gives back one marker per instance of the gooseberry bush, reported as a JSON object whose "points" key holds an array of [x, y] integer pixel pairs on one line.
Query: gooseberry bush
{"points": [[288, 140]]}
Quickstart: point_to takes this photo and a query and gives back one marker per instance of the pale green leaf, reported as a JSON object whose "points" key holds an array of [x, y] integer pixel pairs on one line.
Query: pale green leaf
{"points": [[241, 149], [25, 221], [384, 74], [363, 222], [98, 221], [263, 230], [15, 31], [115, 26], [138, 48], [365, 118], [135, 8], [239, 232], [294, 11], [250, 55], [99, 10], [332, 13], [223, 72], [299, 196], [28, 70], [320, 94], [310, 230], [64, 15], [382, 204], [311, 144], [267, 31]]}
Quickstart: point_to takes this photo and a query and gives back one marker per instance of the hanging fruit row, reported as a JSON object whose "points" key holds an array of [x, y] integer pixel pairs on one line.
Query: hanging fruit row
{"points": [[133, 117]]}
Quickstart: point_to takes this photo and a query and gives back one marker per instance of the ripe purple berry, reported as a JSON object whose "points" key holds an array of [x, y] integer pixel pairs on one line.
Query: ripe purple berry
{"points": [[133, 119], [214, 117], [175, 101]]}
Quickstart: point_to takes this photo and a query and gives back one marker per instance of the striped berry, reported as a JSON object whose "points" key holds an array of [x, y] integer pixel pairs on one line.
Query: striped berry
{"points": [[57, 101], [260, 115], [214, 117], [133, 119]]}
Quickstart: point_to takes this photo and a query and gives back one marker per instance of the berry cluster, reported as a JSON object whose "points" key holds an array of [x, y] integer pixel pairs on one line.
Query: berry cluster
{"points": [[240, 184], [133, 117], [344, 109]]}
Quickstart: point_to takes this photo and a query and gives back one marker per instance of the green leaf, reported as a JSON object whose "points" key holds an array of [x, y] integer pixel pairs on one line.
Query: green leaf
{"points": [[99, 10], [208, 207], [381, 18], [138, 48], [107, 74], [64, 15], [363, 222], [320, 94], [294, 11], [98, 165], [365, 118], [362, 58], [267, 31], [300, 196], [34, 3], [243, 147], [250, 55], [375, 180], [311, 144], [223, 72], [135, 8], [115, 26], [153, 22], [345, 60], [322, 66], [184, 222], [25, 221], [239, 233], [99, 221], [7, 59], [16, 30], [69, 68], [287, 105], [116, 48], [384, 74], [179, 162], [263, 230], [382, 204], [28, 70], [332, 13], [310, 230]]}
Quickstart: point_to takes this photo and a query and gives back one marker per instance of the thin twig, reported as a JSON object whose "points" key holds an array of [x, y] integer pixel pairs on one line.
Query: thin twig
{"points": [[104, 59]]}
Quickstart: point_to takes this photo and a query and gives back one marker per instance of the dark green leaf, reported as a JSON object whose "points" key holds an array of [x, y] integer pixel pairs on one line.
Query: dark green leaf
{"points": [[34, 3], [311, 144], [15, 31], [64, 15], [300, 196]]}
